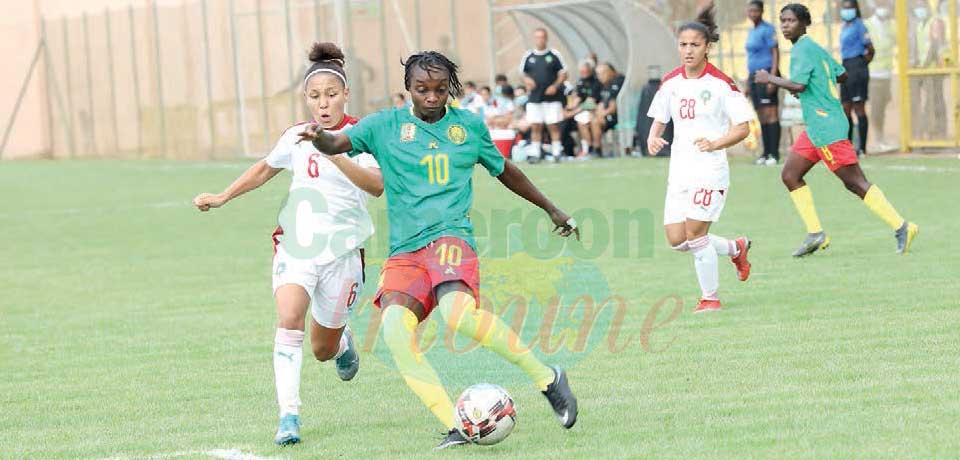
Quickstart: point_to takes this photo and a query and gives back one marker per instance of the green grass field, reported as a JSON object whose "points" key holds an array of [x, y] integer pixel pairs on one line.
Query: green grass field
{"points": [[134, 327]]}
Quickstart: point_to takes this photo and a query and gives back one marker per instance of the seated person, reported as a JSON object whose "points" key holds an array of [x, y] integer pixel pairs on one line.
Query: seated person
{"points": [[582, 103], [605, 115], [500, 112]]}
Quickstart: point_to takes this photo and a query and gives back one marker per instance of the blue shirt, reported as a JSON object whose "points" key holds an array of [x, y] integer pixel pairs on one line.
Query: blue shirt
{"points": [[854, 39], [760, 41]]}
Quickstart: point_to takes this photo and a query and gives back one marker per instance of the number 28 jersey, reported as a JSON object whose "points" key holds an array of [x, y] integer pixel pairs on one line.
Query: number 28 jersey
{"points": [[327, 206], [700, 107]]}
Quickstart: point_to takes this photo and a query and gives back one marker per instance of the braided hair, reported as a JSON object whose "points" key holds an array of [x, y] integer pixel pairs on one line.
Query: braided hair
{"points": [[432, 61], [800, 11]]}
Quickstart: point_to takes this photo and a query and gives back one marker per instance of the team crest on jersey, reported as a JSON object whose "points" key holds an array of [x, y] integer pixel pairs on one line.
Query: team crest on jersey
{"points": [[457, 134], [408, 132], [549, 59], [705, 96]]}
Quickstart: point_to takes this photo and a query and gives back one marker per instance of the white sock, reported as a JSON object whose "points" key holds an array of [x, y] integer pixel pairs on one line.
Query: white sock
{"points": [[705, 262], [585, 146], [556, 148], [682, 247], [344, 344], [537, 149], [287, 359], [724, 246]]}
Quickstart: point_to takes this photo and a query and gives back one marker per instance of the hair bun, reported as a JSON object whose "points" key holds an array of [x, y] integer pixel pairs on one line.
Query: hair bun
{"points": [[326, 52]]}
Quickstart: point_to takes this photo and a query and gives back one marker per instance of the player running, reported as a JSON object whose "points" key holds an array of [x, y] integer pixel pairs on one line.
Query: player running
{"points": [[428, 153], [814, 75], [327, 281], [703, 103]]}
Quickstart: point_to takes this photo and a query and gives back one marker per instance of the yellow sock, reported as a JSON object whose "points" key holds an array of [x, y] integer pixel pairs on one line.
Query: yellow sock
{"points": [[460, 312], [877, 202], [803, 201], [399, 325]]}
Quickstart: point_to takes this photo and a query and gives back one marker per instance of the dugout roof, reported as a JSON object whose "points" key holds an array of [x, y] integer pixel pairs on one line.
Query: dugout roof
{"points": [[623, 32]]}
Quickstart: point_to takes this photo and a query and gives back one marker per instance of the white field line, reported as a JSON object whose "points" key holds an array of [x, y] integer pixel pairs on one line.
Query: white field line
{"points": [[219, 454]]}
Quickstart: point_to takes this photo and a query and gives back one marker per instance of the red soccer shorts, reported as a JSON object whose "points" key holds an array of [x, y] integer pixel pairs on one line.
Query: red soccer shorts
{"points": [[418, 273], [835, 155]]}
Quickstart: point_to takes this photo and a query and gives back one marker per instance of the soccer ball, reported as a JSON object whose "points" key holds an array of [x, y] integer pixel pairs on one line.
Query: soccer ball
{"points": [[485, 414]]}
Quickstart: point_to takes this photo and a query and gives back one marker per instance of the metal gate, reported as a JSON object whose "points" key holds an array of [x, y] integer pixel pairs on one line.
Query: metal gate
{"points": [[930, 91]]}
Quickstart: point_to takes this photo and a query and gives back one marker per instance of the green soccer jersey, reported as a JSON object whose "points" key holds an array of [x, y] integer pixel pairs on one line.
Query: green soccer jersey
{"points": [[812, 66], [427, 171]]}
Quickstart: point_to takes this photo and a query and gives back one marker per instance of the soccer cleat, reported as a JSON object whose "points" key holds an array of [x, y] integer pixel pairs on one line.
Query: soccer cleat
{"points": [[812, 243], [288, 432], [905, 235], [771, 161], [349, 362], [452, 438], [707, 305], [562, 399], [760, 161], [740, 261]]}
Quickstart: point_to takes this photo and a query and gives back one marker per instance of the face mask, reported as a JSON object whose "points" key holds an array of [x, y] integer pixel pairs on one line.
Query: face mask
{"points": [[920, 13], [848, 14], [882, 13]]}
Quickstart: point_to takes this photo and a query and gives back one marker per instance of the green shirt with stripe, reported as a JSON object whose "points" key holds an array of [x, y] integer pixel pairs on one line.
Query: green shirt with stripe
{"points": [[812, 66], [427, 171]]}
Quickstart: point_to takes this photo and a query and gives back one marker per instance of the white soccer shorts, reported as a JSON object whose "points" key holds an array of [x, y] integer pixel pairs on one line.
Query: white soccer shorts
{"points": [[694, 203], [549, 113], [333, 287]]}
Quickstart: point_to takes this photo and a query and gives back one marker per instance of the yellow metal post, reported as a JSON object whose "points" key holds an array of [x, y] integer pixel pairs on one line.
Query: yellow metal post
{"points": [[903, 64]]}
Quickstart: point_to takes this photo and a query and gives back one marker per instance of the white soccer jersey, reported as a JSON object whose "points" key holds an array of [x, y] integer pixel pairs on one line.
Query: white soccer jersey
{"points": [[317, 183], [699, 107]]}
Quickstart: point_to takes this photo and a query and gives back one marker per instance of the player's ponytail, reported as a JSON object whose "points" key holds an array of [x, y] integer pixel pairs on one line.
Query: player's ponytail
{"points": [[326, 58], [706, 24]]}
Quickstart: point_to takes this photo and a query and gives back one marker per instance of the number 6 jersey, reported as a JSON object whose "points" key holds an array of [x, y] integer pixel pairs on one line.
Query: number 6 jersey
{"points": [[328, 210], [700, 107]]}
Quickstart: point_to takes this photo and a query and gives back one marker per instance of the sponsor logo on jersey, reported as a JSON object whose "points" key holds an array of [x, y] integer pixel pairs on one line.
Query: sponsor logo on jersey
{"points": [[408, 132], [433, 145], [822, 113], [457, 134]]}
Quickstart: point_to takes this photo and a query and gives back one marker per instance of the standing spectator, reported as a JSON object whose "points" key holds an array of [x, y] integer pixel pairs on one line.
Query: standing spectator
{"points": [[857, 51], [881, 68], [543, 75], [500, 81], [583, 103], [928, 106], [763, 53], [399, 100], [605, 116]]}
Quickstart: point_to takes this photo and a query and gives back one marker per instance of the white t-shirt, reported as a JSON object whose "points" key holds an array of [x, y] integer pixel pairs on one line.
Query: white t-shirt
{"points": [[330, 211], [699, 107]]}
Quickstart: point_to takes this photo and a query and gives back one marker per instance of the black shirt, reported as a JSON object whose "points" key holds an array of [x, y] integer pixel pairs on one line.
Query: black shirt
{"points": [[589, 87], [609, 92], [543, 67]]}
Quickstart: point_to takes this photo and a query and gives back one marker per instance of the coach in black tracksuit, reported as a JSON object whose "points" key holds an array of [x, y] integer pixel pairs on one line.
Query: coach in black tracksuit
{"points": [[543, 74]]}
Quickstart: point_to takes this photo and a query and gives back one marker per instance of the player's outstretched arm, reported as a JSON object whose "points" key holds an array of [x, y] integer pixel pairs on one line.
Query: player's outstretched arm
{"points": [[515, 180], [326, 143], [764, 77], [369, 180], [256, 175]]}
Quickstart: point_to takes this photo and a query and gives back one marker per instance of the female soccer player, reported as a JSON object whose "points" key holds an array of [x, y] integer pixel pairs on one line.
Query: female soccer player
{"points": [[814, 76], [326, 280], [428, 154], [764, 53], [702, 102], [857, 51]]}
